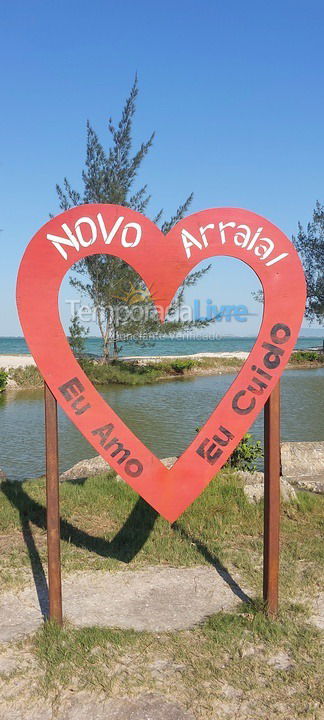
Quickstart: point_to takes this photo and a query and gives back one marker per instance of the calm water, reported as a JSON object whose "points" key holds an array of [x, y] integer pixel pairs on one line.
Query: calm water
{"points": [[164, 416], [165, 346]]}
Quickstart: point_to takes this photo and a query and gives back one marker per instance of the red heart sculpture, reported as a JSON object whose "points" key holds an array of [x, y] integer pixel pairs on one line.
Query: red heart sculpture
{"points": [[163, 262]]}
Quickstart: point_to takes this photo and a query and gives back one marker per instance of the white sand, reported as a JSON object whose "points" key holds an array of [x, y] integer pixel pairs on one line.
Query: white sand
{"points": [[160, 358], [14, 361]]}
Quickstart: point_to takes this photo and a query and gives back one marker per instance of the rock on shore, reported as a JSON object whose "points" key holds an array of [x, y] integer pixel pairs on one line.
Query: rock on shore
{"points": [[253, 486], [302, 465], [85, 468], [253, 483], [96, 466]]}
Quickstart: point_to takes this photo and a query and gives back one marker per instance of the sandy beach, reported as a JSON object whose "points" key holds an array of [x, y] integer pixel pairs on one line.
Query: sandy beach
{"points": [[161, 358], [14, 361]]}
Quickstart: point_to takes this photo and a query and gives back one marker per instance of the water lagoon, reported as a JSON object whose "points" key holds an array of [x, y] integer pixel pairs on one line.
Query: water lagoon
{"points": [[164, 416]]}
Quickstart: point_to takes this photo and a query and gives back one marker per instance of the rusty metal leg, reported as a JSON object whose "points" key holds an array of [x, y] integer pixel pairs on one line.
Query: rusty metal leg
{"points": [[271, 501], [53, 507]]}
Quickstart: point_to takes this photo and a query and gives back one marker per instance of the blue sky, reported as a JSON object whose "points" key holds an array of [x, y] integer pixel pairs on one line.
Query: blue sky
{"points": [[233, 90]]}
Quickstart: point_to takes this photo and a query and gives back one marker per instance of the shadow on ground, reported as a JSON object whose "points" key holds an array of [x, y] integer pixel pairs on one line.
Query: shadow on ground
{"points": [[129, 540]]}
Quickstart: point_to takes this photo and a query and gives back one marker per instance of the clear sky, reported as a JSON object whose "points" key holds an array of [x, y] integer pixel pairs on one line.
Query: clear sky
{"points": [[234, 91]]}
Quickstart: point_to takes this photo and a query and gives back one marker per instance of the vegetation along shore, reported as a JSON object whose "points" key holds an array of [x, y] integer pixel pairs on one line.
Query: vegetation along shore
{"points": [[20, 371]]}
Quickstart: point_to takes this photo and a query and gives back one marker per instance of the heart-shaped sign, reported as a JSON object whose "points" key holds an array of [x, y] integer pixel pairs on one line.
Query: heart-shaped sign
{"points": [[163, 262]]}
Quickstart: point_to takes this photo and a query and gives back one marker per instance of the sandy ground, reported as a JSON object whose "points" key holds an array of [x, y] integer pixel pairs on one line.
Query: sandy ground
{"points": [[195, 356], [137, 599], [14, 361]]}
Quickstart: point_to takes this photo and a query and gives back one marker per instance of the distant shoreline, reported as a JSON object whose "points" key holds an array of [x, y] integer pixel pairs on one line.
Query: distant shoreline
{"points": [[223, 352], [139, 370], [15, 360], [9, 362]]}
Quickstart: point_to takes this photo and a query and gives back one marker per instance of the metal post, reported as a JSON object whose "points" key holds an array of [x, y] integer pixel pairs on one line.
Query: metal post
{"points": [[53, 507], [271, 500]]}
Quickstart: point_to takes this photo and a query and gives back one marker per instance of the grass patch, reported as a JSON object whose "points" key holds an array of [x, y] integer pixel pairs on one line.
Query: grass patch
{"points": [[3, 379], [219, 363], [307, 357], [87, 654], [26, 377], [228, 663], [136, 373], [181, 365], [133, 373], [105, 526], [119, 372], [228, 659]]}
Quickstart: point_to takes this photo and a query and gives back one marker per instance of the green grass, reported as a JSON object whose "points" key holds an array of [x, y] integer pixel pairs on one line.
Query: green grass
{"points": [[230, 654], [116, 372], [26, 377], [222, 662], [66, 653], [134, 373], [105, 526], [181, 365], [307, 357], [3, 379], [120, 372]]}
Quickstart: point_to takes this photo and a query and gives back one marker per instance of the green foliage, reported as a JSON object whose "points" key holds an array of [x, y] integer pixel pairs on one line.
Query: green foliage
{"points": [[3, 379], [307, 356], [133, 373], [130, 373], [246, 454], [180, 366], [27, 377], [77, 336], [310, 245], [119, 372], [108, 282]]}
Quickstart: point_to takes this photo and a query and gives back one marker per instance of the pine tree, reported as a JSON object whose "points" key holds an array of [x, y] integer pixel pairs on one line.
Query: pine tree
{"points": [[77, 336], [310, 245], [109, 282]]}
